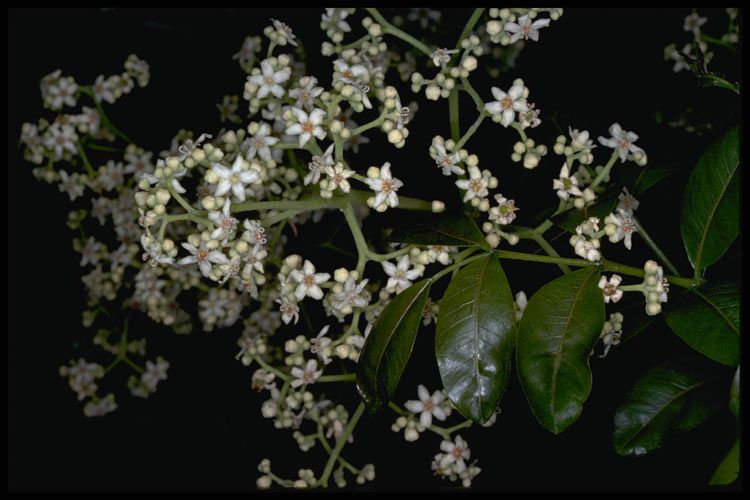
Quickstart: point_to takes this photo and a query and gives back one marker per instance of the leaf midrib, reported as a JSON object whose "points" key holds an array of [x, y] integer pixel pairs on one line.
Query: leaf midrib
{"points": [[699, 249], [721, 313], [666, 405], [557, 363]]}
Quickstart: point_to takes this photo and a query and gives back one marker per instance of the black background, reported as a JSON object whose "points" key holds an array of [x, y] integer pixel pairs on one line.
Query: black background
{"points": [[203, 430]]}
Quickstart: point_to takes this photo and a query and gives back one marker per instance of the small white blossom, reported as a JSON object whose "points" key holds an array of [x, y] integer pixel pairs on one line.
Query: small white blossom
{"points": [[307, 376], [284, 31], [317, 164], [427, 406], [155, 372], [261, 143], [622, 142], [447, 162], [566, 184], [610, 288], [505, 211], [319, 343], [507, 104], [476, 185], [203, 257], [441, 57], [71, 185], [234, 179], [400, 276], [307, 126], [268, 82], [308, 281], [225, 223], [385, 186], [306, 93], [61, 138], [455, 452], [349, 74], [337, 177], [693, 23], [525, 28], [620, 226]]}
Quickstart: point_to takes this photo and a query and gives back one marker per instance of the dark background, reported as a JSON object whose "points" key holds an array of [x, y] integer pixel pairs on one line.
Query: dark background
{"points": [[203, 430]]}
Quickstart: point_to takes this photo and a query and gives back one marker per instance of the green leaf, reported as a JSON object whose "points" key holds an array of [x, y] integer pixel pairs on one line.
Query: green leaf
{"points": [[649, 177], [734, 394], [666, 398], [474, 339], [559, 328], [457, 229], [708, 319], [729, 468], [605, 205], [710, 219], [389, 345]]}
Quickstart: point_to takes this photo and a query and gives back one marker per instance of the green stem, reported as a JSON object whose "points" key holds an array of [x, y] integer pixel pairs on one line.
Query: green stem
{"points": [[605, 171], [272, 369], [390, 29], [86, 162], [359, 238], [471, 131], [98, 147], [456, 265], [605, 265], [717, 41], [539, 239], [367, 126], [469, 26], [340, 442], [453, 115], [469, 89], [660, 255], [343, 377]]}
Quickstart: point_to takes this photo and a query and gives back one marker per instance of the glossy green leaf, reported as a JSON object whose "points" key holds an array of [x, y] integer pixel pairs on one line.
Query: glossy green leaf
{"points": [[457, 229], [710, 219], [734, 394], [560, 326], [708, 319], [605, 205], [667, 398], [729, 468], [474, 339], [389, 345]]}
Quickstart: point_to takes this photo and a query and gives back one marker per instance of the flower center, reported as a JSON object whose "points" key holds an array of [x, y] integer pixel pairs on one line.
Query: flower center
{"points": [[506, 102], [457, 452], [202, 255], [476, 186], [308, 127], [308, 280], [387, 186]]}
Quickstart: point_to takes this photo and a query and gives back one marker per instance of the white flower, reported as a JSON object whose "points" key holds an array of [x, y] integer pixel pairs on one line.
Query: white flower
{"points": [[285, 31], [103, 91], [627, 202], [307, 376], [610, 288], [622, 142], [71, 185], [505, 211], [308, 281], [319, 343], [349, 74], [260, 143], [60, 139], [289, 310], [155, 372], [448, 162], [235, 178], [317, 164], [385, 186], [337, 176], [254, 233], [620, 226], [352, 295], [62, 92], [427, 405], [507, 104], [306, 93], [455, 453], [307, 126], [693, 23], [101, 407], [589, 250], [204, 257], [400, 276], [268, 81], [468, 474], [476, 185], [441, 57], [525, 28], [580, 140], [520, 303], [90, 252], [225, 223], [565, 184]]}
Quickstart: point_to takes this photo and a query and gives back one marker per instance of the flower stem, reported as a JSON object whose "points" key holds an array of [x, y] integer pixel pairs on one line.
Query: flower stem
{"points": [[471, 131], [453, 115], [359, 239], [392, 30], [340, 442], [86, 162], [343, 377], [644, 235]]}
